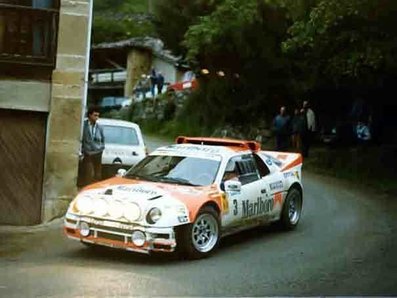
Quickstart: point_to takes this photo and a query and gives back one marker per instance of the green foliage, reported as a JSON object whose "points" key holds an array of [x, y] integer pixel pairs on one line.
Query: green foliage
{"points": [[174, 17], [243, 40], [121, 19], [347, 39]]}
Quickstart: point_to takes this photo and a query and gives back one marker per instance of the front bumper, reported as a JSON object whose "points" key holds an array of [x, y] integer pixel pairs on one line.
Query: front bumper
{"points": [[119, 235]]}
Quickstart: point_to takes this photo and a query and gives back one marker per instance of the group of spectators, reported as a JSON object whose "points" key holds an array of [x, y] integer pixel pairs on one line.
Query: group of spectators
{"points": [[149, 83], [296, 131]]}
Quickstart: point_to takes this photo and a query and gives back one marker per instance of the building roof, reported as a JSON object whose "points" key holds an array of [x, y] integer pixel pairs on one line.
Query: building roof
{"points": [[155, 45]]}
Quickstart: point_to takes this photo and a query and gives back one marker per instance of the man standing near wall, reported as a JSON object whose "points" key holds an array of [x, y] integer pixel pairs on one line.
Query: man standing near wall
{"points": [[93, 145]]}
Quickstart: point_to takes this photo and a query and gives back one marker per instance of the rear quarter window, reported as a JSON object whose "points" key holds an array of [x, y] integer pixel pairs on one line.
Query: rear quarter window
{"points": [[120, 135]]}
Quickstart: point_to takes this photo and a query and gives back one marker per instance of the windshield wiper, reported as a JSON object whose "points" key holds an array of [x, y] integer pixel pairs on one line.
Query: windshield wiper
{"points": [[141, 177], [176, 180]]}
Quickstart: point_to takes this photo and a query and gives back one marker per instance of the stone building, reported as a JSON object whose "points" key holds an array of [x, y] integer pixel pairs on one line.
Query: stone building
{"points": [[43, 62], [116, 67]]}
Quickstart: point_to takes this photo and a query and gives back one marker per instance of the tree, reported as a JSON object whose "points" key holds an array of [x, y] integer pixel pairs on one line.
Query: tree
{"points": [[241, 39], [121, 19], [350, 41], [174, 17]]}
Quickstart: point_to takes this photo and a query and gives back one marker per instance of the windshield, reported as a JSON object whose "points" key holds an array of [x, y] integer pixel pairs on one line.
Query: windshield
{"points": [[120, 135], [176, 169]]}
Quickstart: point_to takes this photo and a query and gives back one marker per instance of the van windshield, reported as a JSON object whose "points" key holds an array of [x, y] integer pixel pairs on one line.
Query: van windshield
{"points": [[120, 135]]}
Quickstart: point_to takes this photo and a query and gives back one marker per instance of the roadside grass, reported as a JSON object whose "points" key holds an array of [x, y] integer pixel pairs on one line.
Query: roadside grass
{"points": [[371, 167]]}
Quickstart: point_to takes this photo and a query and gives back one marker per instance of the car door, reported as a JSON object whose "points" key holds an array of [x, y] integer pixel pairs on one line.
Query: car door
{"points": [[246, 193], [274, 185]]}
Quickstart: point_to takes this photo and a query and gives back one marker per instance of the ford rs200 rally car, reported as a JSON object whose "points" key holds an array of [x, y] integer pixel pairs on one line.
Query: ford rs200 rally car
{"points": [[186, 196]]}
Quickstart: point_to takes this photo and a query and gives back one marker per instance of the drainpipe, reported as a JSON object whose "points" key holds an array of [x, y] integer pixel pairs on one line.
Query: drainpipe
{"points": [[87, 68]]}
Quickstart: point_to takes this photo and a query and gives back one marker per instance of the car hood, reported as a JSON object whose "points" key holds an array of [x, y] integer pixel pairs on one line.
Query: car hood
{"points": [[150, 193]]}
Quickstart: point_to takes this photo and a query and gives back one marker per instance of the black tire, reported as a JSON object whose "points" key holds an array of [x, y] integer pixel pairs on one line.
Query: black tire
{"points": [[292, 210], [188, 240]]}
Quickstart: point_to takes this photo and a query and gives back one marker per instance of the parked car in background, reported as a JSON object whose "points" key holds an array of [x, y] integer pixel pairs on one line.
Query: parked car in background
{"points": [[124, 145], [338, 133], [185, 197], [110, 103], [126, 103], [188, 82]]}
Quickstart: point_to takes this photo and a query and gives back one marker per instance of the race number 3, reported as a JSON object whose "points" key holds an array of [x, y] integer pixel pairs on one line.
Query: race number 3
{"points": [[235, 207]]}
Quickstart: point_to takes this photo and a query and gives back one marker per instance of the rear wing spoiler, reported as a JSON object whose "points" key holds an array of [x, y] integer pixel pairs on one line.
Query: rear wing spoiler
{"points": [[286, 160], [249, 145]]}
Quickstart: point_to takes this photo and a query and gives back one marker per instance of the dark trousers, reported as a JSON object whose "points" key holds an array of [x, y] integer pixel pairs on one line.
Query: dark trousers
{"points": [[306, 143], [92, 168], [282, 142]]}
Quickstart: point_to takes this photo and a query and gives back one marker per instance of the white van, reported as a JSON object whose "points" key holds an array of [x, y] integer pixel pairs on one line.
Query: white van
{"points": [[124, 145]]}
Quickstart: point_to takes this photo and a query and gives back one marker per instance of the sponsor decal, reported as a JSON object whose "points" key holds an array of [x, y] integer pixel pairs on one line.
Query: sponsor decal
{"points": [[282, 156], [276, 185], [188, 191], [107, 223], [291, 174], [225, 204], [261, 206], [288, 174], [178, 148], [113, 152], [278, 198], [137, 189]]}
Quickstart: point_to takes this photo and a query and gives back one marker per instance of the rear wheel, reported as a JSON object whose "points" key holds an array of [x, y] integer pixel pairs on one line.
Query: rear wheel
{"points": [[200, 238], [292, 209]]}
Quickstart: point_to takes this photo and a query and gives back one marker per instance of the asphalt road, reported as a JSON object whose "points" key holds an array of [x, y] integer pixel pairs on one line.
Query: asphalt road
{"points": [[345, 244]]}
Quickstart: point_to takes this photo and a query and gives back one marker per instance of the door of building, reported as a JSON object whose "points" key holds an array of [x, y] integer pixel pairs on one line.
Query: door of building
{"points": [[22, 146]]}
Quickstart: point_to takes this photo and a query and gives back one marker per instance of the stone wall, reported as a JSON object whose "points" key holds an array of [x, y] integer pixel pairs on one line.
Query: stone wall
{"points": [[25, 95], [66, 106]]}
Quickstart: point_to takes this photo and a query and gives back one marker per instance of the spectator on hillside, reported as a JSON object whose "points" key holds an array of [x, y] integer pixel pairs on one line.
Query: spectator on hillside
{"points": [[281, 127], [153, 81], [160, 82], [310, 129], [298, 124]]}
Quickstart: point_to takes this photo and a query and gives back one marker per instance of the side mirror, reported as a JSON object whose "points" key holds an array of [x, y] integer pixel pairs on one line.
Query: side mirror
{"points": [[121, 172], [232, 186]]}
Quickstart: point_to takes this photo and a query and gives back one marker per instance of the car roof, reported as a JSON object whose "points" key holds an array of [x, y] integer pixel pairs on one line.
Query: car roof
{"points": [[117, 122], [207, 147]]}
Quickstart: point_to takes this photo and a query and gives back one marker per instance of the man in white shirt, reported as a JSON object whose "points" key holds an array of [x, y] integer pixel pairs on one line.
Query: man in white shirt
{"points": [[307, 136]]}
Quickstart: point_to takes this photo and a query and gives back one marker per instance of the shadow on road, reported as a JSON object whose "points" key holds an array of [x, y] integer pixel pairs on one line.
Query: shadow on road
{"points": [[102, 253]]}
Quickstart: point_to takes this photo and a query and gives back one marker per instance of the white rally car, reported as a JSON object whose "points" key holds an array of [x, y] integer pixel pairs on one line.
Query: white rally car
{"points": [[185, 197]]}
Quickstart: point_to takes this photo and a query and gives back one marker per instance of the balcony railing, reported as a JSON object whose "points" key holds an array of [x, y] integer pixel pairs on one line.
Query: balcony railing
{"points": [[28, 35]]}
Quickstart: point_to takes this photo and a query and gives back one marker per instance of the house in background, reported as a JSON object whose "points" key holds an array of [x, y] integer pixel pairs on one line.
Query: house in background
{"points": [[43, 61], [116, 67]]}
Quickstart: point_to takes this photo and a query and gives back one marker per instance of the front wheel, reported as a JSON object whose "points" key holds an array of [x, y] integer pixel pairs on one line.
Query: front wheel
{"points": [[200, 238], [292, 209]]}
